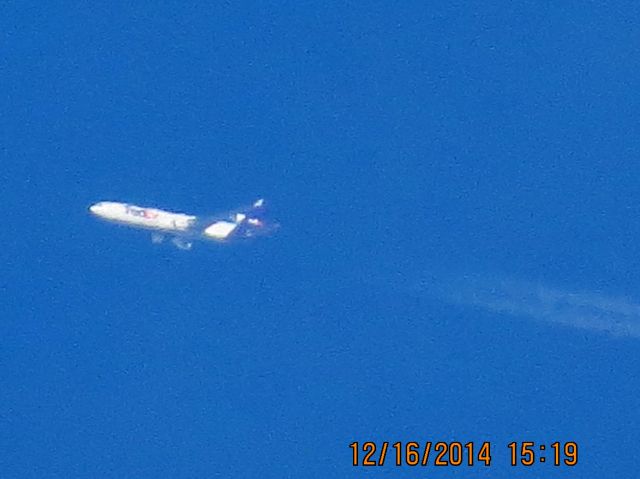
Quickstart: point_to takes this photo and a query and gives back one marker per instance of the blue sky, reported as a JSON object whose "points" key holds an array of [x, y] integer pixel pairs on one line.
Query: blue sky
{"points": [[457, 185]]}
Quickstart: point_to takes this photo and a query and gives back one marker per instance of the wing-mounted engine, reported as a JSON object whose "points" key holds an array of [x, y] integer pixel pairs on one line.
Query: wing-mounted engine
{"points": [[182, 243]]}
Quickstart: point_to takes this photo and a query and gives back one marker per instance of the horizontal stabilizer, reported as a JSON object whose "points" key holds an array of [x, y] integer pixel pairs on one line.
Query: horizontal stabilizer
{"points": [[220, 230]]}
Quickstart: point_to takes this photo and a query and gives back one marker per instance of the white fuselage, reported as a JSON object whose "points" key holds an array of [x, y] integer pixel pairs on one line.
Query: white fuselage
{"points": [[149, 218]]}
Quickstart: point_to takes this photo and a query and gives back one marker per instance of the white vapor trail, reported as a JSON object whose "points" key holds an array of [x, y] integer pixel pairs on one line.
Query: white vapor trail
{"points": [[592, 311]]}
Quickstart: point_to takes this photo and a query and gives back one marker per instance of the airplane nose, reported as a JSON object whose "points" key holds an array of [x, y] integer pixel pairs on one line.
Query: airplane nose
{"points": [[93, 209]]}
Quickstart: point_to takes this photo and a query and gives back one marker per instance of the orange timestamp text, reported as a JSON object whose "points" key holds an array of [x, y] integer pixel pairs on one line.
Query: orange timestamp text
{"points": [[413, 453], [441, 453]]}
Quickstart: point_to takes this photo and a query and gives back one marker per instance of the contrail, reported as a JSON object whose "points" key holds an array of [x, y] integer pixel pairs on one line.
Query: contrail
{"points": [[616, 316]]}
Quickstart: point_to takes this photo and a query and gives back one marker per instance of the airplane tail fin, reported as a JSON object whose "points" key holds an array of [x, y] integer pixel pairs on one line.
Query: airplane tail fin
{"points": [[253, 221], [254, 212], [245, 223], [258, 209]]}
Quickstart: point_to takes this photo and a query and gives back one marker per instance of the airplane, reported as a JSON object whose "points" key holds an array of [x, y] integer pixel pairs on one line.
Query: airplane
{"points": [[184, 229]]}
